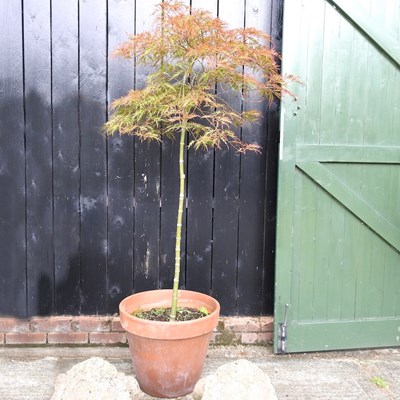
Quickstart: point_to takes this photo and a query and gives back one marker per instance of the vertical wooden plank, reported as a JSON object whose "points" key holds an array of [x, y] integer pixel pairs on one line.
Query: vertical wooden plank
{"points": [[348, 257], [324, 59], [383, 73], [226, 194], [293, 238], [169, 208], [351, 131], [200, 205], [93, 198], [39, 163], [354, 91], [391, 19], [12, 162], [330, 67], [306, 207], [337, 49], [392, 257], [329, 75], [373, 62], [312, 300], [321, 256], [376, 190], [66, 167], [393, 260], [392, 102], [291, 121], [147, 186], [169, 192], [147, 210], [391, 283], [341, 41], [315, 52], [271, 154], [336, 262], [252, 192], [298, 45], [120, 164], [373, 301], [377, 68]]}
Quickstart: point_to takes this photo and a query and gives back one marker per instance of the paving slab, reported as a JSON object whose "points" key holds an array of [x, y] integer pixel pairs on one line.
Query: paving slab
{"points": [[30, 372]]}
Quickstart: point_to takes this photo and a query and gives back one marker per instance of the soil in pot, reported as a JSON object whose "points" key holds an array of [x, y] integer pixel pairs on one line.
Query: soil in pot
{"points": [[163, 314]]}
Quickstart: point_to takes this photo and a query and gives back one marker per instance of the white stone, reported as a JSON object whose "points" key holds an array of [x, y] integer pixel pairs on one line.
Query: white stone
{"points": [[95, 379], [237, 380]]}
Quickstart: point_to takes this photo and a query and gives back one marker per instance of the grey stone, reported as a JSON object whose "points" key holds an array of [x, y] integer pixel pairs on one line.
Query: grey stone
{"points": [[95, 379], [237, 380]]}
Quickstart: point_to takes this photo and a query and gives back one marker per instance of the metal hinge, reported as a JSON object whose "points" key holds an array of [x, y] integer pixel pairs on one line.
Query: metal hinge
{"points": [[282, 336]]}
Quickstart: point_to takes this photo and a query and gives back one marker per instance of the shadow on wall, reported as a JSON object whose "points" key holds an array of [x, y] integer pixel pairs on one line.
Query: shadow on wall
{"points": [[53, 253], [52, 205], [12, 202], [73, 280], [54, 221], [67, 299]]}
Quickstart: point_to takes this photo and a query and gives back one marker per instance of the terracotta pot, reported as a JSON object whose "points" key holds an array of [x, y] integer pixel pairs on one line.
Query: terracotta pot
{"points": [[168, 357]]}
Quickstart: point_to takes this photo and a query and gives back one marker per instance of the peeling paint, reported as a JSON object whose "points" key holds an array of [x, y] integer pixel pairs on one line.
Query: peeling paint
{"points": [[114, 291], [147, 261], [88, 203], [118, 221]]}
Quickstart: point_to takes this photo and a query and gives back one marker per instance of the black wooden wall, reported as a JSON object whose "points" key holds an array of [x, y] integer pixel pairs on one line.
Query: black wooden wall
{"points": [[86, 220]]}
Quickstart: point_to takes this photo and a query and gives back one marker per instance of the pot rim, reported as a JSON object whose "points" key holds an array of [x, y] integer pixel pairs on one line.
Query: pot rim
{"points": [[143, 327]]}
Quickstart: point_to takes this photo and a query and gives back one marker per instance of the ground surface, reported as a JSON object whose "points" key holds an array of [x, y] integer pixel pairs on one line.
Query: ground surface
{"points": [[30, 373]]}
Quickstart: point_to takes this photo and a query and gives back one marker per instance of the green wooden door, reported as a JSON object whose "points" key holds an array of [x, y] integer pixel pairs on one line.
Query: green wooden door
{"points": [[338, 234]]}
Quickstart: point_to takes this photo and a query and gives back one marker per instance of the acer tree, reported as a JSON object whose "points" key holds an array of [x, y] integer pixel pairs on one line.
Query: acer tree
{"points": [[190, 52]]}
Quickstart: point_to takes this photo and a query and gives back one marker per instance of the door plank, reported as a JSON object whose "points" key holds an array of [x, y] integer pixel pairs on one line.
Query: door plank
{"points": [[336, 335], [348, 153]]}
